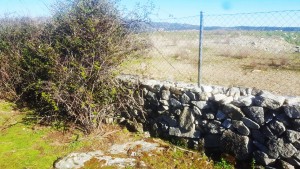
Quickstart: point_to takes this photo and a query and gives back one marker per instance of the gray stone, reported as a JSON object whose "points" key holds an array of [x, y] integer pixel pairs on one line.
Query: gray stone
{"points": [[191, 95], [260, 146], [234, 143], [296, 124], [209, 116], [175, 90], [220, 115], [277, 127], [233, 112], [240, 127], [243, 91], [243, 101], [277, 148], [207, 89], [293, 161], [263, 158], [268, 133], [217, 90], [213, 127], [292, 100], [201, 104], [196, 89], [175, 131], [227, 123], [274, 146], [152, 98], [186, 119], [203, 96], [202, 123], [76, 160], [185, 99], [292, 111], [149, 84], [296, 144], [268, 100], [234, 92], [177, 112], [165, 108], [175, 103], [258, 136], [226, 100], [164, 102], [166, 86], [297, 155], [249, 91], [255, 113], [284, 119], [292, 135], [212, 140], [171, 120], [249, 123], [285, 165], [219, 97], [255, 91], [156, 88], [135, 126], [197, 111]]}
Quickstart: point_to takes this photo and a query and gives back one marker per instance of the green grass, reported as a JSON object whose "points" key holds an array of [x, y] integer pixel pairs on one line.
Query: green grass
{"points": [[22, 146], [223, 164]]}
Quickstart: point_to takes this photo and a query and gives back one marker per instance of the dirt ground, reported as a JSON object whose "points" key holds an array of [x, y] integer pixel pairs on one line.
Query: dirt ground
{"points": [[264, 60]]}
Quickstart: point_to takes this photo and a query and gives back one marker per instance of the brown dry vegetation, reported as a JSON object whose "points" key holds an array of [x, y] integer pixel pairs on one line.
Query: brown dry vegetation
{"points": [[265, 60]]}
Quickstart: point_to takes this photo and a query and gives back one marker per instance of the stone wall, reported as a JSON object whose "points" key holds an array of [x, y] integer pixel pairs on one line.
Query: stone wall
{"points": [[245, 122]]}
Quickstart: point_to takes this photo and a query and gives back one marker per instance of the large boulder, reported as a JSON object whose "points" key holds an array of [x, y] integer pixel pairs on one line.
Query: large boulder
{"points": [[201, 104], [186, 118], [175, 131], [268, 100], [292, 135], [152, 98], [251, 124], [240, 127], [240, 146], [233, 112], [277, 127], [263, 158], [277, 147], [243, 101], [185, 99], [292, 111], [165, 94], [256, 114], [175, 103]]}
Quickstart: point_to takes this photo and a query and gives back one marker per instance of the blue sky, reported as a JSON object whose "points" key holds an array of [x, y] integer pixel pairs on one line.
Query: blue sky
{"points": [[164, 9]]}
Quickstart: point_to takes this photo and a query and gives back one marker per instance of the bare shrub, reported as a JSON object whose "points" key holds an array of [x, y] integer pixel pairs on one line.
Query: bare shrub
{"points": [[66, 69]]}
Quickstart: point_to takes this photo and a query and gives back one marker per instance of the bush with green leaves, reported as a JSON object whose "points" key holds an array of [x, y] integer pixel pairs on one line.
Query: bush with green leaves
{"points": [[65, 67]]}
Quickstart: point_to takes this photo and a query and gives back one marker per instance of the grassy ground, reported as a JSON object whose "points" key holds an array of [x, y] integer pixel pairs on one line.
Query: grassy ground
{"points": [[27, 145], [24, 144], [265, 60]]}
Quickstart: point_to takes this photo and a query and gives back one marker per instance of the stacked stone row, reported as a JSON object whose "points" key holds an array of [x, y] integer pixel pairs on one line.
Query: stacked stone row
{"points": [[248, 123]]}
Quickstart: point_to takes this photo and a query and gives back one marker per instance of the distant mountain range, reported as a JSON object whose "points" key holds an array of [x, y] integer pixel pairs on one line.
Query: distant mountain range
{"points": [[165, 26]]}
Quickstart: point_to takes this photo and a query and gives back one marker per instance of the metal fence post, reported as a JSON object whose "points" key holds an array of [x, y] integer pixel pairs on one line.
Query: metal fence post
{"points": [[200, 49]]}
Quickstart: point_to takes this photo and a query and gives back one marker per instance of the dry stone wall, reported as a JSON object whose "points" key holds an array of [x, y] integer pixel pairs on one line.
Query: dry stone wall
{"points": [[245, 122]]}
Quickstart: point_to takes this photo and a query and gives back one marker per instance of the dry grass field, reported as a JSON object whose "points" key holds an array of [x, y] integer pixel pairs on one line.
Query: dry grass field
{"points": [[264, 60]]}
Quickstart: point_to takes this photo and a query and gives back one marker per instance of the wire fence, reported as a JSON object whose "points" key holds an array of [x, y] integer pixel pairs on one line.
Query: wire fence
{"points": [[258, 50]]}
